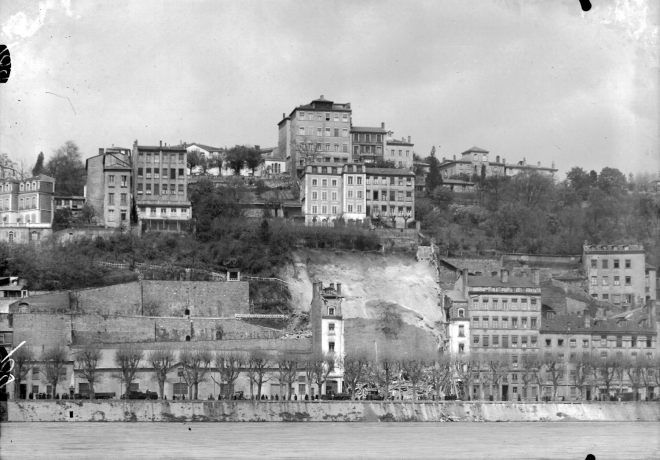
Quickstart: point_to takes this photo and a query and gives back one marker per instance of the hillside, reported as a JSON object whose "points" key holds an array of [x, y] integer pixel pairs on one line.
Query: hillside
{"points": [[371, 283]]}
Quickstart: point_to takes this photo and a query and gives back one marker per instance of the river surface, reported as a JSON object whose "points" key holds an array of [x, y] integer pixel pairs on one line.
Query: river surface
{"points": [[506, 441]]}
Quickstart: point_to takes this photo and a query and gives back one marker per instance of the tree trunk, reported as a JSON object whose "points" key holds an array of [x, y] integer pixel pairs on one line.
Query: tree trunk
{"points": [[161, 385], [554, 392], [92, 393]]}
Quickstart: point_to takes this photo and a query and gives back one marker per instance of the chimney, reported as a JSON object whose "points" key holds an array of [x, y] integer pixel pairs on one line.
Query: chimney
{"points": [[539, 163], [161, 143], [536, 276], [497, 159], [464, 275], [283, 115], [332, 286], [553, 165], [409, 139], [101, 150], [524, 161], [454, 157], [339, 288], [587, 322], [504, 275], [382, 125], [444, 159], [503, 160]]}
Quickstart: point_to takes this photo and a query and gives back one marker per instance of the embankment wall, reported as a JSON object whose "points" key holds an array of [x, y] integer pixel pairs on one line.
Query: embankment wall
{"points": [[335, 411]]}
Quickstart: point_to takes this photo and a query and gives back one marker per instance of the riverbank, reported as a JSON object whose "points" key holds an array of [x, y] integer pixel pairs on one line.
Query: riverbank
{"points": [[325, 411]]}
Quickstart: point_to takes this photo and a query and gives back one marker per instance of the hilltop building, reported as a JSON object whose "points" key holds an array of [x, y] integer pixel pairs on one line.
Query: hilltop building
{"points": [[619, 274], [390, 196], [73, 203], [27, 208], [400, 151], [472, 161], [368, 143], [318, 131], [109, 186], [161, 186]]}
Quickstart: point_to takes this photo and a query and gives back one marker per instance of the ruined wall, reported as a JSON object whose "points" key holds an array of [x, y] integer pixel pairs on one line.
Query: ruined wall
{"points": [[42, 331], [112, 329], [344, 411], [207, 298]]}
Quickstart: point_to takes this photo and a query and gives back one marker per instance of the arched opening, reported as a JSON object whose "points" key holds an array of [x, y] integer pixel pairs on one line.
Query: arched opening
{"points": [[461, 313], [187, 311], [187, 338], [10, 237]]}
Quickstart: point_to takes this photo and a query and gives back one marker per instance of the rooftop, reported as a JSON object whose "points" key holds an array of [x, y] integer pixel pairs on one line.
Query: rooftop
{"points": [[363, 129], [634, 321], [158, 148], [390, 172], [208, 148], [593, 248], [399, 142], [475, 150], [496, 281]]}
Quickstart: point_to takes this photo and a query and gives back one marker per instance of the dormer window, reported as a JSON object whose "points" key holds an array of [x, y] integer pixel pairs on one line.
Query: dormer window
{"points": [[461, 313], [331, 311]]}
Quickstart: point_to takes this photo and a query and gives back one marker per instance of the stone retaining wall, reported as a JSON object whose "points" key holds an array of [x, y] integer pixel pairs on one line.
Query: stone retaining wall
{"points": [[324, 411]]}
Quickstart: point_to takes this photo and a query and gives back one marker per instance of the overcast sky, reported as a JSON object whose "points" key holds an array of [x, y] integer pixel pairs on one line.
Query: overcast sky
{"points": [[538, 79]]}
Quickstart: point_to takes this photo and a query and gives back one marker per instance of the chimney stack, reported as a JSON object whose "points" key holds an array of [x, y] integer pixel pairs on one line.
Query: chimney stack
{"points": [[504, 275], [382, 125], [283, 115], [339, 288], [464, 275], [332, 286], [497, 159], [454, 157], [101, 150], [539, 163], [536, 276], [587, 322], [503, 160], [161, 143]]}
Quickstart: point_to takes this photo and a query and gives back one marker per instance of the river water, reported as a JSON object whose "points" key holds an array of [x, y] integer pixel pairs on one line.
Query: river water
{"points": [[506, 441]]}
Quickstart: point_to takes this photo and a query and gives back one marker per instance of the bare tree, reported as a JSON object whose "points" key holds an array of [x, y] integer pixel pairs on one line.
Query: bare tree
{"points": [[555, 369], [464, 366], [647, 367], [87, 361], [634, 370], [605, 371], [307, 149], [439, 372], [258, 364], [355, 365], [229, 364], [23, 363], [127, 358], [385, 369], [161, 360], [582, 370], [196, 364], [498, 366], [322, 365], [55, 360], [413, 367], [287, 368]]}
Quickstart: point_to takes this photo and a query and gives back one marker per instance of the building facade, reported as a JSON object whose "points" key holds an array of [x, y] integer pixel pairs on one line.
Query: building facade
{"points": [[368, 143], [390, 196], [161, 187], [72, 203], [473, 160], [619, 274], [318, 131], [27, 208], [109, 186], [400, 151]]}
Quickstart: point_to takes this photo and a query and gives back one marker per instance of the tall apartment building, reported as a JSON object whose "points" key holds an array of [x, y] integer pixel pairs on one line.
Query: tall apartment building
{"points": [[505, 317], [619, 274], [161, 186], [400, 151], [318, 131], [109, 186], [368, 143], [472, 161], [391, 195], [333, 190], [26, 208]]}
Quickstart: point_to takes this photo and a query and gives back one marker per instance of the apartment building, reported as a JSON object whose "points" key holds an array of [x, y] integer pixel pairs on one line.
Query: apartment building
{"points": [[619, 274], [72, 203], [333, 190], [505, 317], [109, 189], [400, 151], [368, 143], [390, 196], [473, 160], [318, 131], [26, 208], [161, 187]]}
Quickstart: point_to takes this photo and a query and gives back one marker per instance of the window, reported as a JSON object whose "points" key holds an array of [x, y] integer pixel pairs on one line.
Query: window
{"points": [[327, 147], [505, 341], [111, 198], [628, 263], [475, 321], [628, 280], [485, 341], [35, 373], [496, 304], [111, 215], [594, 263], [324, 182], [619, 341], [461, 313], [573, 343], [605, 280], [560, 342], [333, 182], [139, 173], [461, 331], [123, 199], [148, 189], [315, 210], [301, 130], [594, 281], [606, 297], [604, 263], [324, 195], [495, 322], [514, 323], [180, 189], [514, 341], [350, 180], [533, 323], [350, 208], [156, 189], [505, 323], [152, 211], [475, 340], [334, 209], [617, 281], [585, 343], [180, 388], [172, 173], [334, 196], [315, 182], [156, 158], [505, 304], [111, 180], [524, 323], [523, 341], [181, 172]]}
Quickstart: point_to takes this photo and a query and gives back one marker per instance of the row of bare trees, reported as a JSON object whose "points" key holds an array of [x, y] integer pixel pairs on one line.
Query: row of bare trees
{"points": [[52, 367]]}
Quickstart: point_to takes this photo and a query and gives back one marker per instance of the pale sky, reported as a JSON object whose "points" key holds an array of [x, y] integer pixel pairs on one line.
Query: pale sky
{"points": [[538, 79]]}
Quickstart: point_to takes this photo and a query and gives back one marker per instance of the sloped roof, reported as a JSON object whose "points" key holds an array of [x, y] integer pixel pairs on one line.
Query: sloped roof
{"points": [[475, 149], [574, 323], [390, 171], [205, 147], [364, 129], [495, 281], [398, 142]]}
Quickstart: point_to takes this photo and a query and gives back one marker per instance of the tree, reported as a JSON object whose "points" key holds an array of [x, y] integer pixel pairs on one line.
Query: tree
{"points": [[306, 149], [161, 360], [605, 372], [439, 373], [235, 158], [39, 165], [195, 158], [578, 178], [87, 213], [647, 368], [23, 363], [258, 364], [464, 366], [582, 370], [434, 178], [611, 181], [127, 358], [413, 368], [68, 170], [287, 369], [355, 365], [555, 369], [7, 166], [196, 364], [55, 360], [381, 163], [321, 367], [229, 365], [497, 367], [385, 368], [635, 368], [253, 158], [87, 361]]}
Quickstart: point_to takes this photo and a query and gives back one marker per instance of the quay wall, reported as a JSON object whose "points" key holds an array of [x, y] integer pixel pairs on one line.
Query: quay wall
{"points": [[323, 411]]}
